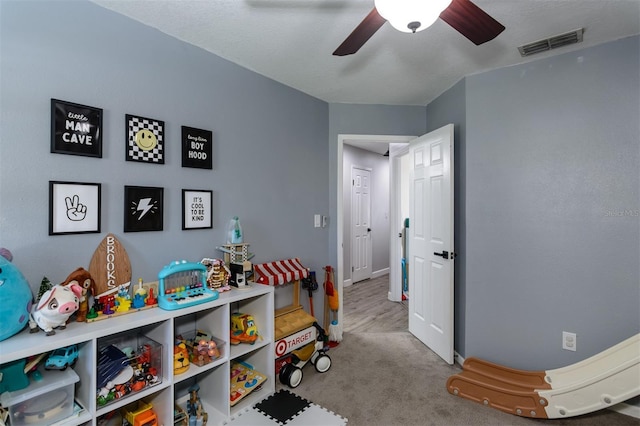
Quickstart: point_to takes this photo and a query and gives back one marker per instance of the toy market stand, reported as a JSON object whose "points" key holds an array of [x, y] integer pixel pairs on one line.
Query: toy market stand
{"points": [[292, 318]]}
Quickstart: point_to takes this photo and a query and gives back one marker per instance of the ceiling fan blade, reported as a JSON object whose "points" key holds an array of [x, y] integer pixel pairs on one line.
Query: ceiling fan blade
{"points": [[361, 34], [471, 21]]}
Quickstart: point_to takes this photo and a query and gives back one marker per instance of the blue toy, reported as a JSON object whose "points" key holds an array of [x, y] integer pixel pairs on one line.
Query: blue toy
{"points": [[16, 297], [12, 375], [138, 301], [62, 358]]}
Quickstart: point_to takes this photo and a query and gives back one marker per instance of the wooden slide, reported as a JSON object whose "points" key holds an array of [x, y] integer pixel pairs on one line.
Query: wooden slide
{"points": [[603, 380]]}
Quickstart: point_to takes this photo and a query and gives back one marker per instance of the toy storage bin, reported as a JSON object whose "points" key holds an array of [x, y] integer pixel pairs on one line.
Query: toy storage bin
{"points": [[127, 363], [202, 355], [42, 402]]}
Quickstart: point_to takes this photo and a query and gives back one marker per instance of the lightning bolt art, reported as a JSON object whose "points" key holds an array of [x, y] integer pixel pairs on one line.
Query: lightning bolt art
{"points": [[143, 208], [144, 205]]}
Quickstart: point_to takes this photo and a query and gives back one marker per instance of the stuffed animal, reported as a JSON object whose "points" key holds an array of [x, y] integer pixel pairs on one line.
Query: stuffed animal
{"points": [[54, 308], [15, 297], [180, 358], [81, 277]]}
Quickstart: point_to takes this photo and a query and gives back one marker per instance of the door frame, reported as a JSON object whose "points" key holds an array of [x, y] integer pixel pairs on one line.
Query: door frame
{"points": [[395, 216], [393, 269]]}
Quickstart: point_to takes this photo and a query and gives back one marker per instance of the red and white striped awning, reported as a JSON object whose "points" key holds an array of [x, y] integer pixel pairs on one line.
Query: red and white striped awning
{"points": [[280, 271]]}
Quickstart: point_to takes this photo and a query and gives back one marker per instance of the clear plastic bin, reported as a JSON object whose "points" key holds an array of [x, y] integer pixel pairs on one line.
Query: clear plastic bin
{"points": [[44, 401], [127, 364], [203, 347]]}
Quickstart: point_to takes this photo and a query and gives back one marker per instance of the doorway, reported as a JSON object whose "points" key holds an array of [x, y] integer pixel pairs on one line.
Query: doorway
{"points": [[431, 166], [370, 142]]}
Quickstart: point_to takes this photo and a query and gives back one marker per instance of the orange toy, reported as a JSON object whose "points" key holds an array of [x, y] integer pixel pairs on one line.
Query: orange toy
{"points": [[332, 293], [335, 330]]}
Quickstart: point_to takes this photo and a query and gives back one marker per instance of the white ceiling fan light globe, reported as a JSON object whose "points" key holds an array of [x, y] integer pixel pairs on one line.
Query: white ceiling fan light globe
{"points": [[400, 13]]}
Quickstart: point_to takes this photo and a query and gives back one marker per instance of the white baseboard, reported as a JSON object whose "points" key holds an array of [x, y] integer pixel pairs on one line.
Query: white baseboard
{"points": [[381, 272], [458, 359], [627, 409], [376, 274]]}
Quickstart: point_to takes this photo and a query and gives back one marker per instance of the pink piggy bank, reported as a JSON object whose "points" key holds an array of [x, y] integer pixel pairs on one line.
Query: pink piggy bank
{"points": [[54, 308]]}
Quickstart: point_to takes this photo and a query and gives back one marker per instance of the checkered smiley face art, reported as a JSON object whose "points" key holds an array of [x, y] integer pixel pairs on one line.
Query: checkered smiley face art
{"points": [[145, 139]]}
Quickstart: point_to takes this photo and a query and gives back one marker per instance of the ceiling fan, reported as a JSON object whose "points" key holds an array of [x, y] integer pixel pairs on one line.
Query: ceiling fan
{"points": [[416, 15]]}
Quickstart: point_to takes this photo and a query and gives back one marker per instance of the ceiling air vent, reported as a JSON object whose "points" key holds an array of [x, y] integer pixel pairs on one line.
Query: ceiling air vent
{"points": [[554, 42]]}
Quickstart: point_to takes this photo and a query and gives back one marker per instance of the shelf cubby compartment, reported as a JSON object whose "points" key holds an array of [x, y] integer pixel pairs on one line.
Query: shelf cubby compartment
{"points": [[214, 321], [213, 392], [262, 360], [130, 364]]}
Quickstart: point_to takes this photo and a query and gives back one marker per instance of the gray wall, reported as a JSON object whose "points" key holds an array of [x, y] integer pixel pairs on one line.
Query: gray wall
{"points": [[270, 142], [379, 166], [550, 189]]}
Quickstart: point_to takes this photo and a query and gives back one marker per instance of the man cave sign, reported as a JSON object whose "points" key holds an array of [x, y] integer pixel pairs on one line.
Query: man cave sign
{"points": [[76, 129]]}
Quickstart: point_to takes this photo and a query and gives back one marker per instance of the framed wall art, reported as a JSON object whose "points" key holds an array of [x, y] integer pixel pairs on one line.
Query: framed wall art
{"points": [[74, 207], [143, 208], [76, 129], [197, 148], [145, 139], [197, 209]]}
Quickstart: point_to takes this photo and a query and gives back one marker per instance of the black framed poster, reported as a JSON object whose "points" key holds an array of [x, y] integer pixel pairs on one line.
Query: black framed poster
{"points": [[197, 209], [76, 129], [145, 139], [143, 208], [74, 207], [197, 148]]}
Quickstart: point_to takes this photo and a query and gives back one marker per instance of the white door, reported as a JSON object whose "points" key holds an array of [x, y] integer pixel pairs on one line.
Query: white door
{"points": [[431, 241], [360, 224]]}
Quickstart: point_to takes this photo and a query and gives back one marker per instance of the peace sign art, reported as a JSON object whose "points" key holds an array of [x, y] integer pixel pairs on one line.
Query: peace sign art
{"points": [[74, 207]]}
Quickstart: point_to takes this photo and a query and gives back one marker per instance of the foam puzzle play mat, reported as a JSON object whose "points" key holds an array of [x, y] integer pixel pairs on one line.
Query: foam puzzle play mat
{"points": [[286, 408]]}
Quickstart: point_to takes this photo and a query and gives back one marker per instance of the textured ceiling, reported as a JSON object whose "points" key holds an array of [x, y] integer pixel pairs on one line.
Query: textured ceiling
{"points": [[291, 41]]}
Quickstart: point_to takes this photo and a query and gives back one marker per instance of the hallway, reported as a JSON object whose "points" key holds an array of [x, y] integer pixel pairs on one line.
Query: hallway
{"points": [[367, 308]]}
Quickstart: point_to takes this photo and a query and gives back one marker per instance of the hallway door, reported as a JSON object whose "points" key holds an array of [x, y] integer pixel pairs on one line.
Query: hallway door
{"points": [[431, 251], [361, 255]]}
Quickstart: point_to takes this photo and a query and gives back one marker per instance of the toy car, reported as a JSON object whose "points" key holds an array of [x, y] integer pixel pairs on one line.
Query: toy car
{"points": [[140, 415], [243, 329], [290, 373], [62, 358]]}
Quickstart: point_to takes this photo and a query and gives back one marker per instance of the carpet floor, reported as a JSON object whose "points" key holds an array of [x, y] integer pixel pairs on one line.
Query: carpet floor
{"points": [[382, 375], [391, 378]]}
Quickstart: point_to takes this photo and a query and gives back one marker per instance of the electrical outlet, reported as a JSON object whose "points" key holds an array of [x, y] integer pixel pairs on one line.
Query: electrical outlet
{"points": [[569, 341]]}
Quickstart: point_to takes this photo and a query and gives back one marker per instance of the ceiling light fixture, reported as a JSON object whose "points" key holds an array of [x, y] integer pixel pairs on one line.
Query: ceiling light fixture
{"points": [[410, 16]]}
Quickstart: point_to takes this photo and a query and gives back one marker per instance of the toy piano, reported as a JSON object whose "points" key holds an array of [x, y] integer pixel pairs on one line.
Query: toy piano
{"points": [[183, 284]]}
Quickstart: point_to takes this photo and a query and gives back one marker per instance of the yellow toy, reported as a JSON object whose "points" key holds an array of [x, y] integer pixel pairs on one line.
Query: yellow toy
{"points": [[180, 358], [142, 415], [243, 329]]}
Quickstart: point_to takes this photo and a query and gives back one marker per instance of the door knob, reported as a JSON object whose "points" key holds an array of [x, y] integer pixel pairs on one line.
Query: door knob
{"points": [[446, 255]]}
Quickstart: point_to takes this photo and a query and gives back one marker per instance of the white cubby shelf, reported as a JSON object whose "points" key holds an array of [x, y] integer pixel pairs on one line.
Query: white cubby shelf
{"points": [[163, 327]]}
